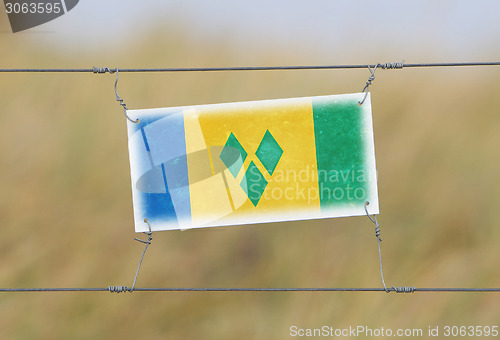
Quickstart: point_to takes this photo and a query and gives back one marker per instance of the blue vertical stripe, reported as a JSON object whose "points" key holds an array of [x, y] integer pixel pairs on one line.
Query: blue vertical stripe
{"points": [[164, 190]]}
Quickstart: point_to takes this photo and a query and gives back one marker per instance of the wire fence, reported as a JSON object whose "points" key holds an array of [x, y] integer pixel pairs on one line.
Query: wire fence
{"points": [[371, 67]]}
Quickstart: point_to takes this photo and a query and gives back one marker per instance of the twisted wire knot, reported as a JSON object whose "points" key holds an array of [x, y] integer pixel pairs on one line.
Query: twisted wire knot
{"points": [[392, 66], [118, 289], [147, 233], [403, 289], [374, 221], [385, 66], [103, 70], [378, 231], [369, 81]]}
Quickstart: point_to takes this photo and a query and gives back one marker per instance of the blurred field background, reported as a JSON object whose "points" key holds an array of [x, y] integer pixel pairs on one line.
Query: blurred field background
{"points": [[66, 208]]}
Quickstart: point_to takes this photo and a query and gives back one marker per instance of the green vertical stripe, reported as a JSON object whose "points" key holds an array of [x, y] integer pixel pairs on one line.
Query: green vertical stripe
{"points": [[342, 173]]}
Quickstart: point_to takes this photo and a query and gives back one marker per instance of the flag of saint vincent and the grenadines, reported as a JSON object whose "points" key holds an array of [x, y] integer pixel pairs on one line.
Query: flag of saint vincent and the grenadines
{"points": [[252, 162]]}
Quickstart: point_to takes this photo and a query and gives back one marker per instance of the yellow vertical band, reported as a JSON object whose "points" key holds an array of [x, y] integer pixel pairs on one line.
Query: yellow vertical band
{"points": [[216, 193]]}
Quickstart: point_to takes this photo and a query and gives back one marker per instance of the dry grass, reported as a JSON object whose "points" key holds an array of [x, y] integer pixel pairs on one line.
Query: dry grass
{"points": [[66, 214]]}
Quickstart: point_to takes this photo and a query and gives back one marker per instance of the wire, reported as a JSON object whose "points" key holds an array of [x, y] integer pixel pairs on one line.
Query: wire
{"points": [[110, 289], [120, 289], [248, 68], [147, 243]]}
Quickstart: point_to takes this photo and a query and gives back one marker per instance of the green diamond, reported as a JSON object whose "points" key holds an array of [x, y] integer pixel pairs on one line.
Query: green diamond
{"points": [[233, 155], [253, 183], [269, 152]]}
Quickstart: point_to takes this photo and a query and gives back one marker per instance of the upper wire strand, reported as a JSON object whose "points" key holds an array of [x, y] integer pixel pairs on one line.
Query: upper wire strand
{"points": [[251, 68]]}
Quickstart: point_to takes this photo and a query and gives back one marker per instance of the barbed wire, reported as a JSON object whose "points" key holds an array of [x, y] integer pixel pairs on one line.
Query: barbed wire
{"points": [[398, 65]]}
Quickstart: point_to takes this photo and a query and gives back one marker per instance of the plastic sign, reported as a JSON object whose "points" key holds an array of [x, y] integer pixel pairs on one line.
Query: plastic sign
{"points": [[252, 162]]}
